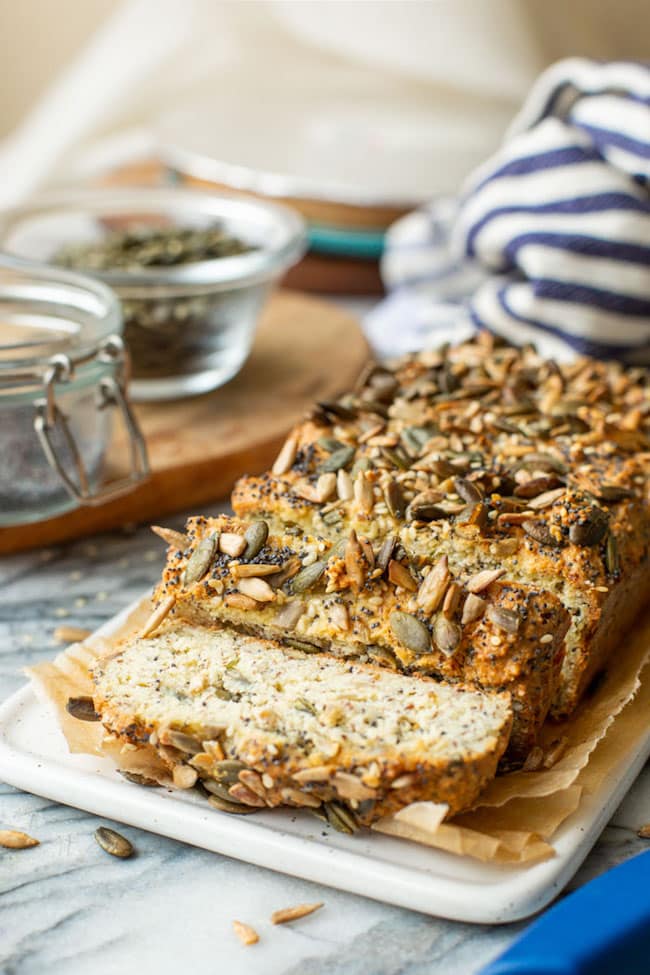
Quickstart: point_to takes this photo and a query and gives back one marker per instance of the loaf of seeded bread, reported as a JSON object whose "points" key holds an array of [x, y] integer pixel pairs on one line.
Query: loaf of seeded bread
{"points": [[459, 622], [498, 459], [258, 725]]}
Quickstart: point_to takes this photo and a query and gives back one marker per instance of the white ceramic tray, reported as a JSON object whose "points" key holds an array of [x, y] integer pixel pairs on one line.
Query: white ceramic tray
{"points": [[34, 757]]}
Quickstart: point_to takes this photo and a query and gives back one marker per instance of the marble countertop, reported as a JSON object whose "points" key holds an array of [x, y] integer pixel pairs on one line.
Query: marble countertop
{"points": [[68, 908]]}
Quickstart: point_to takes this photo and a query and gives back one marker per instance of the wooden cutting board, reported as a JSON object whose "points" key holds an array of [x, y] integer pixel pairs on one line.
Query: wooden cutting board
{"points": [[305, 349]]}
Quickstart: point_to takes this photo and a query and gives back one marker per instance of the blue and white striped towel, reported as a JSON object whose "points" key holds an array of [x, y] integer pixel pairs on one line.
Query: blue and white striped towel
{"points": [[550, 241]]}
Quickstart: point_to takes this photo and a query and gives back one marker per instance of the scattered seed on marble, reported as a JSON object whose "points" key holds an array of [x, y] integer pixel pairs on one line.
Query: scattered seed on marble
{"points": [[113, 842], [246, 934], [15, 839], [293, 913]]}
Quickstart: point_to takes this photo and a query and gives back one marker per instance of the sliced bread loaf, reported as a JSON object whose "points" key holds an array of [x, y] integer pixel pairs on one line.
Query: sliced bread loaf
{"points": [[263, 725]]}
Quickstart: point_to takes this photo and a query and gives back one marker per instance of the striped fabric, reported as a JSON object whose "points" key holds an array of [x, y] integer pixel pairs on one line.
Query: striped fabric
{"points": [[551, 240]]}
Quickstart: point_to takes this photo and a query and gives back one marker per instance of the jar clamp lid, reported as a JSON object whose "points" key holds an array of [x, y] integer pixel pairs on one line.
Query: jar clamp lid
{"points": [[60, 341]]}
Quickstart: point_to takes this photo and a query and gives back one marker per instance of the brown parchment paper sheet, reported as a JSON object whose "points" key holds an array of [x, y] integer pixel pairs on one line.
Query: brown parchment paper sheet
{"points": [[518, 813]]}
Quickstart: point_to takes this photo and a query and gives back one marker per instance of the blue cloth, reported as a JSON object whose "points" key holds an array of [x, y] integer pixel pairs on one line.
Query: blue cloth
{"points": [[550, 239]]}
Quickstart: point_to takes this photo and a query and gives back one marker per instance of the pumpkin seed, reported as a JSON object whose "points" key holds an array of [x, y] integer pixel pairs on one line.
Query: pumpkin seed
{"points": [[505, 619], [385, 552], [308, 577], [82, 708], [336, 410], [590, 531], [228, 771], [339, 459], [383, 656], [610, 493], [186, 743], [424, 507], [230, 806], [330, 444], [360, 464], [113, 842], [200, 559], [255, 537], [340, 817], [541, 532], [301, 645], [410, 631], [396, 457], [337, 551], [415, 439], [446, 635], [467, 490], [137, 779], [394, 499]]}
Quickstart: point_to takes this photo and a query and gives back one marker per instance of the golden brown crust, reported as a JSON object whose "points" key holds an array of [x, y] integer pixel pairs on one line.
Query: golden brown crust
{"points": [[352, 619]]}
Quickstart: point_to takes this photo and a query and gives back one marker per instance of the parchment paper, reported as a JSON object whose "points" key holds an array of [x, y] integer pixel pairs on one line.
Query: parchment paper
{"points": [[518, 813]]}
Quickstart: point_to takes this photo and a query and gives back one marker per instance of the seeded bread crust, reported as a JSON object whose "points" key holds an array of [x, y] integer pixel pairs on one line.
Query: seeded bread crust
{"points": [[165, 693], [356, 616], [556, 458]]}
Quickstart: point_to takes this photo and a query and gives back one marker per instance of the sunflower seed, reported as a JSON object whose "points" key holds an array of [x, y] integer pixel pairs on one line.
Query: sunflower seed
{"points": [[232, 544], [200, 559], [541, 532], [410, 631], [229, 806], [446, 635], [394, 499], [284, 460], [546, 499], [325, 487], [612, 556], [385, 552], [293, 913], [289, 614], [255, 537], [505, 619], [363, 493], [451, 600], [290, 568], [113, 842], [137, 779], [467, 490], [257, 589], [536, 486], [351, 787], [14, 839], [308, 577], [239, 601], [82, 708], [355, 563], [337, 614], [481, 580], [240, 793], [534, 760], [644, 832], [253, 781], [70, 634], [473, 609], [246, 934], [159, 614], [433, 589], [317, 773], [344, 487], [248, 570], [399, 575], [184, 777], [473, 514], [542, 462], [590, 531], [173, 538], [339, 459]]}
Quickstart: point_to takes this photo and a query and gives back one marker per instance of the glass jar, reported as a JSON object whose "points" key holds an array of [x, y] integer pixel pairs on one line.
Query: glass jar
{"points": [[63, 376], [189, 327]]}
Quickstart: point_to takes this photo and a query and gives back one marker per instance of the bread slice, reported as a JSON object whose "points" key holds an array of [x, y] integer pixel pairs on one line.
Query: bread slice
{"points": [[452, 620], [262, 725]]}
